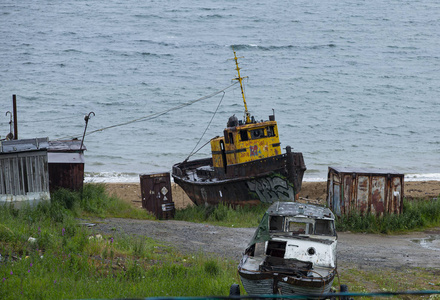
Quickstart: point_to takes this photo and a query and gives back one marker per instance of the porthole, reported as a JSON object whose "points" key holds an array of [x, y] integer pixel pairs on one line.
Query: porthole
{"points": [[311, 251]]}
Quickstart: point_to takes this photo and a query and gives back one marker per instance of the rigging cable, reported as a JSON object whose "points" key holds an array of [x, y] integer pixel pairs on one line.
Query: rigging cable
{"points": [[192, 152], [155, 115]]}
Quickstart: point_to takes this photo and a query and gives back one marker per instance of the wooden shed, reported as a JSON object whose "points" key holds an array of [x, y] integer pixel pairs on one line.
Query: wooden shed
{"points": [[24, 173], [364, 190], [66, 164]]}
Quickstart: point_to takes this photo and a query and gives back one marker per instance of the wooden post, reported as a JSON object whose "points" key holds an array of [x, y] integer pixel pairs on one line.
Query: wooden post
{"points": [[14, 104]]}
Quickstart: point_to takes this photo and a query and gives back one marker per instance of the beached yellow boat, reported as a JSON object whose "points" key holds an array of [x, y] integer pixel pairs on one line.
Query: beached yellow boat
{"points": [[246, 166]]}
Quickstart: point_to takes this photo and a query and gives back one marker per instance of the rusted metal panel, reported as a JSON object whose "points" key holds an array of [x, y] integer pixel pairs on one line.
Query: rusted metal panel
{"points": [[66, 164], [363, 190], [156, 194], [24, 171]]}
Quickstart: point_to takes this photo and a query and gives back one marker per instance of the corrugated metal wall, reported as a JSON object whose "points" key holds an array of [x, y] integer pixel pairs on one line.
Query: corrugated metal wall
{"points": [[364, 190]]}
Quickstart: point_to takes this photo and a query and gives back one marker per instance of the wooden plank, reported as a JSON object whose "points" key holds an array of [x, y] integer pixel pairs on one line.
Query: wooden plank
{"points": [[16, 171], [46, 173], [8, 177], [2, 183], [37, 175], [21, 163]]}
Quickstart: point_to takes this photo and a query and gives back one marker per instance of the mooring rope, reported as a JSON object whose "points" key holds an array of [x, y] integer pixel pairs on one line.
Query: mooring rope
{"points": [[156, 115]]}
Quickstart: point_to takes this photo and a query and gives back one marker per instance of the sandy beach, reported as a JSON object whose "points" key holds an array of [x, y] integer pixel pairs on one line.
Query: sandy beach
{"points": [[131, 192]]}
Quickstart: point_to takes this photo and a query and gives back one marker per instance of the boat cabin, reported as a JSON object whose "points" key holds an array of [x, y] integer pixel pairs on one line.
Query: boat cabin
{"points": [[242, 143]]}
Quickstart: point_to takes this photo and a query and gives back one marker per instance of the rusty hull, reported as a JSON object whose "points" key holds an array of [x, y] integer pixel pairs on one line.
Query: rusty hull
{"points": [[276, 178], [364, 190]]}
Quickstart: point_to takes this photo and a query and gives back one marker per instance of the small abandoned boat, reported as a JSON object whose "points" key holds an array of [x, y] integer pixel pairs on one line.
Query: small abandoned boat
{"points": [[246, 166], [293, 251]]}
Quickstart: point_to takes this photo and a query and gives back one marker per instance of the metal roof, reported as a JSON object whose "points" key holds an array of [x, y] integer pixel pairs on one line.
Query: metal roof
{"points": [[364, 170], [66, 146], [24, 145], [295, 208]]}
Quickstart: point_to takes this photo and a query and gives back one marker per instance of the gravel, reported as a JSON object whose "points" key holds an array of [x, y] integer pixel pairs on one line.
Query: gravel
{"points": [[371, 251]]}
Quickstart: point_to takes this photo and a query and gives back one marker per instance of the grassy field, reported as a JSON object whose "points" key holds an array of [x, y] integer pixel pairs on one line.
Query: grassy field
{"points": [[47, 254]]}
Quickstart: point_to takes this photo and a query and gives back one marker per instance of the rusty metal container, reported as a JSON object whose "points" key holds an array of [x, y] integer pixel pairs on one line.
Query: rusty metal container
{"points": [[156, 195], [66, 164], [364, 190]]}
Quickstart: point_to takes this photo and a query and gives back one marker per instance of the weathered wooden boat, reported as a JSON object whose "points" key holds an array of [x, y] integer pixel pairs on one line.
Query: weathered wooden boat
{"points": [[246, 167], [293, 251]]}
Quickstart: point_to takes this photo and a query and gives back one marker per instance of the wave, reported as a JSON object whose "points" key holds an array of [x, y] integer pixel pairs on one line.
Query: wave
{"points": [[271, 48], [117, 177]]}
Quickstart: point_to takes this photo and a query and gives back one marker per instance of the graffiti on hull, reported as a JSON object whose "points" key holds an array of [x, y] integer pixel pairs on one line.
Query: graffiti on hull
{"points": [[272, 189]]}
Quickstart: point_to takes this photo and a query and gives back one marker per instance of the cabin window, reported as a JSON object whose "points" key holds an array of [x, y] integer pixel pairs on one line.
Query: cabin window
{"points": [[324, 227], [270, 131], [231, 138], [257, 133], [244, 135], [298, 228], [276, 223], [225, 134], [276, 248]]}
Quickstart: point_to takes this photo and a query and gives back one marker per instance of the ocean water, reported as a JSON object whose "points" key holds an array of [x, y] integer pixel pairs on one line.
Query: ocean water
{"points": [[352, 83]]}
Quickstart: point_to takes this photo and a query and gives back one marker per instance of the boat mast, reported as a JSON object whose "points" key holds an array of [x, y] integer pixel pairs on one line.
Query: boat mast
{"points": [[240, 79]]}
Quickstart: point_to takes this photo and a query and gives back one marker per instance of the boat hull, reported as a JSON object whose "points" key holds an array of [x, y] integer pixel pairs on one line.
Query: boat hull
{"points": [[276, 178], [284, 277], [268, 284]]}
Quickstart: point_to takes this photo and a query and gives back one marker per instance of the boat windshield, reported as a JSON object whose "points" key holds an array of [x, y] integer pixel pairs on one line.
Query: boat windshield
{"points": [[299, 228], [324, 227]]}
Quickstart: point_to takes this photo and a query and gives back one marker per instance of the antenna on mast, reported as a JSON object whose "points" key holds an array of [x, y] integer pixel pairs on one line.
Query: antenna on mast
{"points": [[240, 79]]}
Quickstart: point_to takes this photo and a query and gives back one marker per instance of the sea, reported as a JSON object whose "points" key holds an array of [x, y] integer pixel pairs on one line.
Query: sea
{"points": [[352, 83]]}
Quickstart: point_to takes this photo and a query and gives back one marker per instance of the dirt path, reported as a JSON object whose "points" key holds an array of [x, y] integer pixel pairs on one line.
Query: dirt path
{"points": [[419, 249]]}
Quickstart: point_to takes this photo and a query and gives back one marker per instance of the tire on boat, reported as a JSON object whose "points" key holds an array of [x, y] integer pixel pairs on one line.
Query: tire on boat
{"points": [[234, 290], [343, 288]]}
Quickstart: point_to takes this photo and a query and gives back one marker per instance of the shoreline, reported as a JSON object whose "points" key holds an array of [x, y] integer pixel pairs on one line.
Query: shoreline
{"points": [[313, 190]]}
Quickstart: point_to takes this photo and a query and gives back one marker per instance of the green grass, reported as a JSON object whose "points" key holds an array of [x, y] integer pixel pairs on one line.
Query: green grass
{"points": [[46, 254], [224, 215], [390, 280], [416, 215]]}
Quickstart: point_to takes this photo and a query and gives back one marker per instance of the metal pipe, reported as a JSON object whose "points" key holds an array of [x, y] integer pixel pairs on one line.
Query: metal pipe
{"points": [[86, 118], [14, 109]]}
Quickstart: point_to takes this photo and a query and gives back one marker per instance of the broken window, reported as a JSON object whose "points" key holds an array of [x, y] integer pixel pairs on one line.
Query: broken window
{"points": [[324, 227], [244, 135], [276, 248], [276, 223], [298, 228], [257, 133], [270, 131]]}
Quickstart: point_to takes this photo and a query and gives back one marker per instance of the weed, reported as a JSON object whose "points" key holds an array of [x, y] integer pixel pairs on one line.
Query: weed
{"points": [[416, 215]]}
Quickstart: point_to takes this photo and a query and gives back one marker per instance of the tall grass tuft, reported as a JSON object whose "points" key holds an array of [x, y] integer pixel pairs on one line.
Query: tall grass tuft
{"points": [[416, 214], [224, 215]]}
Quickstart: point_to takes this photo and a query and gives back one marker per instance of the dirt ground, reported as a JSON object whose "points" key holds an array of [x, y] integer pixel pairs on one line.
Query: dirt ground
{"points": [[368, 251]]}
